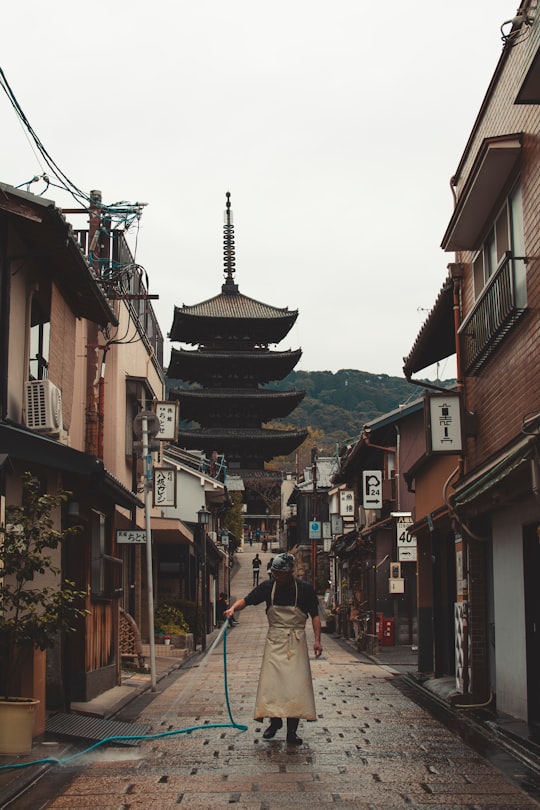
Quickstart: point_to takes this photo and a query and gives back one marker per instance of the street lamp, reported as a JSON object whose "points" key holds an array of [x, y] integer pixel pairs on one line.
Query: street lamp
{"points": [[204, 519]]}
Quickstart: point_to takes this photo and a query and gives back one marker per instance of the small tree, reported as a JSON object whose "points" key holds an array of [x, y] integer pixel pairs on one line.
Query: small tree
{"points": [[31, 611]]}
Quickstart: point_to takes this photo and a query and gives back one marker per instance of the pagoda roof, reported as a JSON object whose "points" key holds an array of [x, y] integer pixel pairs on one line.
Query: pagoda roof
{"points": [[267, 404], [261, 365], [234, 442], [231, 315]]}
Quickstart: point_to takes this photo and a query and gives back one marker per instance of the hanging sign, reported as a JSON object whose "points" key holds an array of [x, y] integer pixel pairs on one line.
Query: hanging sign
{"points": [[167, 413], [346, 503], [336, 524], [372, 489], [164, 487], [443, 421]]}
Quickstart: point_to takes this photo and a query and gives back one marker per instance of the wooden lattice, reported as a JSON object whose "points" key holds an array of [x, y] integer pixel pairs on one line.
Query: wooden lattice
{"points": [[130, 639]]}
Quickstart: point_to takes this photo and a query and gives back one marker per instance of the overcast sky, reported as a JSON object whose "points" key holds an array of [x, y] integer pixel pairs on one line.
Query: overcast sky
{"points": [[335, 126]]}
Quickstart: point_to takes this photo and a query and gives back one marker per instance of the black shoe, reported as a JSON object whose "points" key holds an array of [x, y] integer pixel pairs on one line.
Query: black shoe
{"points": [[270, 732], [294, 739]]}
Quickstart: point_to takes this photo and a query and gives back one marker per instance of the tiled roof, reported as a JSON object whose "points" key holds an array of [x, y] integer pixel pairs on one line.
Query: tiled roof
{"points": [[235, 393], [235, 306], [242, 434]]}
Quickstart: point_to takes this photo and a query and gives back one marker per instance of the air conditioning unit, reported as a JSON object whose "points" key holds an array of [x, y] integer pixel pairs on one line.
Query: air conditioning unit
{"points": [[43, 406]]}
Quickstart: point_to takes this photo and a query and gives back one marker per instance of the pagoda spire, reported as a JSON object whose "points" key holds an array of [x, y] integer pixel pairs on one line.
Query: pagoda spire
{"points": [[228, 250]]}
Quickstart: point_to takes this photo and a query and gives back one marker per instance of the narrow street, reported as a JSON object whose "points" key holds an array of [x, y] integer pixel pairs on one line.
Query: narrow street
{"points": [[372, 747]]}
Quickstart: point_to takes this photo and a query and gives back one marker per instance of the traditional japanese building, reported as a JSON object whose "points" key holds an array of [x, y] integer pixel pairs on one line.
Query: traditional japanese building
{"points": [[226, 399]]}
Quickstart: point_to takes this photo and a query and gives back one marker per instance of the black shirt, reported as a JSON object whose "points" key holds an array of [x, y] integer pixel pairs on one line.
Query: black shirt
{"points": [[285, 595]]}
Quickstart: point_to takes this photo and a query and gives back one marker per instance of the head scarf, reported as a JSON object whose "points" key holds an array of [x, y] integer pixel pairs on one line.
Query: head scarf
{"points": [[283, 562]]}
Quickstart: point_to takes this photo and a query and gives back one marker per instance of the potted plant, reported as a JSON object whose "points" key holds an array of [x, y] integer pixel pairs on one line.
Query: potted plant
{"points": [[36, 605]]}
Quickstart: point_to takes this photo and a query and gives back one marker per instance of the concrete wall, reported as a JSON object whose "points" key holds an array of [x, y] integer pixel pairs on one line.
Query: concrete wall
{"points": [[509, 609]]}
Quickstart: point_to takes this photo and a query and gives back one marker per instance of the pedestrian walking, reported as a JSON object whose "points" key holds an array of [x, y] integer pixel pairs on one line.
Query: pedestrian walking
{"points": [[250, 538], [256, 563], [285, 686], [269, 566]]}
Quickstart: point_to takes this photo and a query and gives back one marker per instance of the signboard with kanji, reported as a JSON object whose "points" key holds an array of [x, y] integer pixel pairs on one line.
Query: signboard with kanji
{"points": [[167, 413], [164, 487], [443, 419], [406, 543], [130, 536], [346, 503]]}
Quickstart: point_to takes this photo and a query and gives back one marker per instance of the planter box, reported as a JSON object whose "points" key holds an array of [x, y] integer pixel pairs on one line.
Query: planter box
{"points": [[182, 641]]}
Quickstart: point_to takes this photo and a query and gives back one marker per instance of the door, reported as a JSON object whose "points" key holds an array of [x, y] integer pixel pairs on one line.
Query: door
{"points": [[531, 566]]}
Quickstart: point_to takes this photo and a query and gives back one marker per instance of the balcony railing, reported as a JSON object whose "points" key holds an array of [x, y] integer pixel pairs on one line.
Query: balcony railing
{"points": [[492, 317]]}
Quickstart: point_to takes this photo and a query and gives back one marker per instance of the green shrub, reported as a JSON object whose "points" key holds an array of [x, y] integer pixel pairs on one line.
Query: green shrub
{"points": [[169, 619]]}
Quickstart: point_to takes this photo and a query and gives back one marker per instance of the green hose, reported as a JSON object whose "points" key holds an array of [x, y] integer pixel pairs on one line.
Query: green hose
{"points": [[188, 730]]}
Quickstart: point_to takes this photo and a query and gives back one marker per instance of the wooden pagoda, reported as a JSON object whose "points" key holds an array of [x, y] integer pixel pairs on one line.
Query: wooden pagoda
{"points": [[226, 372]]}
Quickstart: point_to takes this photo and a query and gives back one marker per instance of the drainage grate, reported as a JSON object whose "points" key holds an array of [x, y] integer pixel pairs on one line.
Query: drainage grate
{"points": [[94, 728]]}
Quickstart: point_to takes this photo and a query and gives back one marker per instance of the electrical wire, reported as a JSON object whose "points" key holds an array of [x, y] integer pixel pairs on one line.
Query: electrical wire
{"points": [[124, 212], [159, 735]]}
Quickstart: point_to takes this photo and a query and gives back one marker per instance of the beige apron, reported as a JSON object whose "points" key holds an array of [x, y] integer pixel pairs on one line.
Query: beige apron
{"points": [[285, 685]]}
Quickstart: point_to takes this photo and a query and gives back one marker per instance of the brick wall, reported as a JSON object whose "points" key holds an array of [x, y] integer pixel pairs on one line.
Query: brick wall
{"points": [[507, 386]]}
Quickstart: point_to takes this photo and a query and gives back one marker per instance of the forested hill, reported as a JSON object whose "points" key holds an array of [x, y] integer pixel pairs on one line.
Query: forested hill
{"points": [[337, 405]]}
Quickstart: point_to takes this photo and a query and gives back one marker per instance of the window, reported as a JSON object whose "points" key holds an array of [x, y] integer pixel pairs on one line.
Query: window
{"points": [[105, 570], [40, 328], [500, 286], [504, 236]]}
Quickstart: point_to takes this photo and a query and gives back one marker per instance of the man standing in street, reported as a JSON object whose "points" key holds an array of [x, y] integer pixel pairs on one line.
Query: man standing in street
{"points": [[285, 685], [256, 563]]}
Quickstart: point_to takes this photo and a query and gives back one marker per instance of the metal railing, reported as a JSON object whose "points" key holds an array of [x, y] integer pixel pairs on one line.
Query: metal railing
{"points": [[494, 314]]}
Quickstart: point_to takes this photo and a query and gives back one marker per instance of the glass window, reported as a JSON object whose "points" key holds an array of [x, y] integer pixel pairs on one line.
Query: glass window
{"points": [[504, 236], [40, 329]]}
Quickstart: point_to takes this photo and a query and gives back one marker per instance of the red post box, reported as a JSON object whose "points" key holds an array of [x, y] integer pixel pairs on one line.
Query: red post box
{"points": [[388, 633]]}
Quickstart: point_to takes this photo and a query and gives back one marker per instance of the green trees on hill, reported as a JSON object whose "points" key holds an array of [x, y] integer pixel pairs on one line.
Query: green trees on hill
{"points": [[339, 404]]}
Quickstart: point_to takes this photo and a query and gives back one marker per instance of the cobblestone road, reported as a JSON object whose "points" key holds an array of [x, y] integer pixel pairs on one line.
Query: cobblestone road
{"points": [[371, 747]]}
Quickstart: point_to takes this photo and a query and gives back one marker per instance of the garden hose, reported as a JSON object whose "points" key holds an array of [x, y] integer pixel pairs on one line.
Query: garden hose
{"points": [[160, 735]]}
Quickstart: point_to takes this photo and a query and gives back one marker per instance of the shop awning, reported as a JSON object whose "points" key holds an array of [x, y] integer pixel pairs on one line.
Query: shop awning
{"points": [[170, 530], [490, 475], [35, 448]]}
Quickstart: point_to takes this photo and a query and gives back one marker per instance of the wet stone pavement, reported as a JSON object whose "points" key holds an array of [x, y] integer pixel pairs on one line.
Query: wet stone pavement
{"points": [[371, 747]]}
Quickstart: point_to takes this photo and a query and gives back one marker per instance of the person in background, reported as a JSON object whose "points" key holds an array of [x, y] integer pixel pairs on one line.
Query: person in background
{"points": [[269, 566], [285, 686], [256, 563], [221, 605]]}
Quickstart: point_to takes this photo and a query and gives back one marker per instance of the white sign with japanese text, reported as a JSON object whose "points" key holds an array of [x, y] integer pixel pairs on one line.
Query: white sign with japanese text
{"points": [[130, 536], [164, 486], [167, 413], [346, 503]]}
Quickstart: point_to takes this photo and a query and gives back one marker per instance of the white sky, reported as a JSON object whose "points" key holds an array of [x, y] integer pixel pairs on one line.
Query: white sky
{"points": [[335, 126]]}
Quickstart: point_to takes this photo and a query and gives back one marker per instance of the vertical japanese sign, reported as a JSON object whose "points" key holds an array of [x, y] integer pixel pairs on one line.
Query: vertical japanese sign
{"points": [[346, 503], [164, 487], [444, 423], [372, 489], [167, 413]]}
